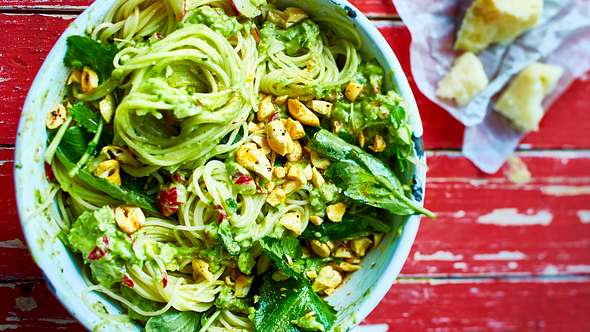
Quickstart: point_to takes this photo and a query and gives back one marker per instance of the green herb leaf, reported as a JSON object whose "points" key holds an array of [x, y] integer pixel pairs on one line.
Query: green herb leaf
{"points": [[281, 303], [85, 117], [174, 321], [85, 51], [351, 227], [363, 177], [74, 143], [285, 254]]}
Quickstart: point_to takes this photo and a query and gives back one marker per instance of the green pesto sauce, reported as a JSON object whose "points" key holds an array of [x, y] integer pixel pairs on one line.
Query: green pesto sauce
{"points": [[216, 19]]}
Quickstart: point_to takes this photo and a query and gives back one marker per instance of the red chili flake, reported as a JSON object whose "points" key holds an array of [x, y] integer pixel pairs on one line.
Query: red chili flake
{"points": [[274, 116], [165, 279], [105, 241], [221, 214], [234, 9], [243, 179], [96, 254], [127, 281], [178, 177], [49, 173], [171, 198]]}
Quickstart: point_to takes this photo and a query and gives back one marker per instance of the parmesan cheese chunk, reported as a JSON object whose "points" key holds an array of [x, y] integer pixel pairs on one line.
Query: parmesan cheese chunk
{"points": [[496, 21], [464, 81], [522, 101]]}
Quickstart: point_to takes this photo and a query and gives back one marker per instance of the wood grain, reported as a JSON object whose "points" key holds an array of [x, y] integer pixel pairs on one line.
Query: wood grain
{"points": [[28, 39]]}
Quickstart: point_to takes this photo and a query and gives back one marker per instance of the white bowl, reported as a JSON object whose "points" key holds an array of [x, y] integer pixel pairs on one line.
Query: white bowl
{"points": [[354, 300]]}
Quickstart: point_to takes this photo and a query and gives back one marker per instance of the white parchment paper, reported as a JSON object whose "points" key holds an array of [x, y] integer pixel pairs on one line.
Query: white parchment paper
{"points": [[562, 38]]}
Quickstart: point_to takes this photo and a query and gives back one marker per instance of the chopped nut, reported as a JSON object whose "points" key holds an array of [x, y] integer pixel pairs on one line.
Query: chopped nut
{"points": [[295, 172], [281, 100], [353, 260], [353, 90], [321, 249], [308, 172], [317, 179], [336, 126], [321, 107], [295, 129], [294, 15], [56, 117], [75, 77], [291, 186], [316, 220], [311, 274], [343, 252], [88, 80], [278, 138], [362, 139], [347, 267], [377, 237], [120, 154], [300, 112], [292, 221], [269, 186], [279, 172], [379, 144], [129, 218], [252, 127], [276, 196], [254, 159], [335, 212], [109, 170], [327, 278], [201, 270], [296, 152], [243, 285], [360, 246], [319, 162], [107, 108], [262, 143], [265, 108]]}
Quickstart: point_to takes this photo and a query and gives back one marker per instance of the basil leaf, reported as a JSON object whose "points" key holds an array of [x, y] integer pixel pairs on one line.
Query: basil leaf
{"points": [[285, 254], [85, 117], [351, 227], [174, 321], [281, 303], [74, 143], [85, 51]]}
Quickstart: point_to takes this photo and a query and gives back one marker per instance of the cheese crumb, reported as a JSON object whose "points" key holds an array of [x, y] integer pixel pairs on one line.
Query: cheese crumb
{"points": [[496, 21], [464, 81], [522, 101]]}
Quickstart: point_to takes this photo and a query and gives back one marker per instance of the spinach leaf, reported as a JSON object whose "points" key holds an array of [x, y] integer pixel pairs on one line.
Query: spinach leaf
{"points": [[363, 177], [280, 303], [285, 254], [174, 321], [85, 51], [85, 117], [351, 227], [74, 143], [116, 192]]}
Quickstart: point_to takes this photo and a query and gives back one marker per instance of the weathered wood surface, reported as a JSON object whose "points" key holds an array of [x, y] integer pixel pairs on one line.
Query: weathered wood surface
{"points": [[501, 256]]}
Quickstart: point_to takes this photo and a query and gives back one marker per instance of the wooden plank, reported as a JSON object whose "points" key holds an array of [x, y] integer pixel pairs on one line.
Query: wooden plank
{"points": [[411, 305], [486, 305], [487, 225], [368, 7], [29, 306], [28, 39]]}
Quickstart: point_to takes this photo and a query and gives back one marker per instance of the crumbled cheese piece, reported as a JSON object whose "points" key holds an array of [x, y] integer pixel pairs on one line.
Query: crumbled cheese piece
{"points": [[522, 101], [464, 81], [496, 21]]}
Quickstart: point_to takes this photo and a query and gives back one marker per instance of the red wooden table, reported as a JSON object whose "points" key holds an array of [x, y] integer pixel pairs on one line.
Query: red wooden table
{"points": [[501, 256]]}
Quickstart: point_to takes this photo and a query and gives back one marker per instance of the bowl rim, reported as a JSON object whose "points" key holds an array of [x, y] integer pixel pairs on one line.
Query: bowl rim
{"points": [[403, 243]]}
